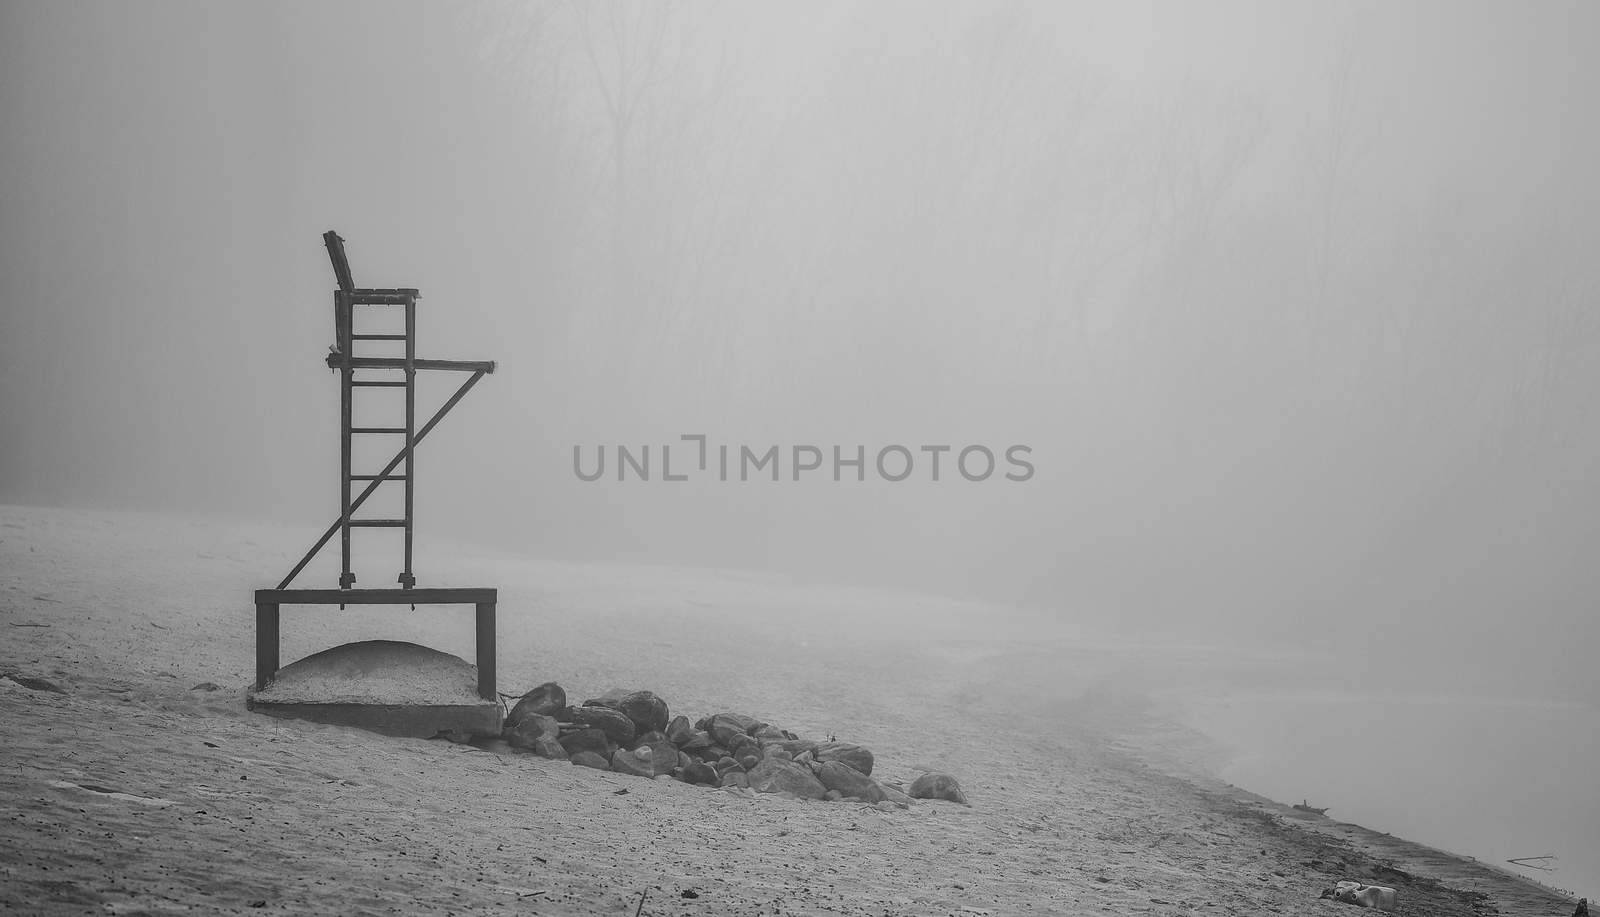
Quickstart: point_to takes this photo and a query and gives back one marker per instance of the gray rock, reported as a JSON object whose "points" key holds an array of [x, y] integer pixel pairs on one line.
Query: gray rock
{"points": [[638, 763], [771, 776], [795, 747], [895, 795], [548, 747], [590, 759], [616, 725], [748, 762], [546, 700], [531, 728], [589, 739], [845, 753], [836, 775], [665, 755], [744, 723], [697, 740], [522, 735], [937, 786], [699, 773], [679, 732], [724, 726], [647, 711], [734, 778], [741, 745]]}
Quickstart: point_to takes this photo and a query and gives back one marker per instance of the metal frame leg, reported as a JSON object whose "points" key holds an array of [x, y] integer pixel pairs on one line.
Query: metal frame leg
{"points": [[267, 643], [346, 420], [408, 579], [486, 651]]}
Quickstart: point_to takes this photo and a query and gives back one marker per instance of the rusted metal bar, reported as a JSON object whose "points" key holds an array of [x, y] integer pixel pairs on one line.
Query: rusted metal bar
{"points": [[368, 296], [337, 360], [393, 463], [341, 264], [436, 595]]}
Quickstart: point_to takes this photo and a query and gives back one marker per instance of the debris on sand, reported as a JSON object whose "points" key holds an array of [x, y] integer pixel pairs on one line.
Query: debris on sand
{"points": [[112, 793], [1380, 897], [33, 684]]}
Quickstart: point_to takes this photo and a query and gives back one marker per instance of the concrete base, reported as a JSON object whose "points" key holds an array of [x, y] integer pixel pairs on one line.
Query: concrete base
{"points": [[415, 721], [393, 688]]}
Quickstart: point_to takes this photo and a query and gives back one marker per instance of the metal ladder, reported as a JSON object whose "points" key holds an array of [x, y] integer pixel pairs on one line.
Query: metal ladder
{"points": [[345, 302], [346, 299]]}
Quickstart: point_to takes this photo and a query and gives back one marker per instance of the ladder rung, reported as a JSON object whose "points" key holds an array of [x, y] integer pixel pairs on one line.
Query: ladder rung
{"points": [[377, 523], [377, 429], [377, 477], [369, 383], [378, 337]]}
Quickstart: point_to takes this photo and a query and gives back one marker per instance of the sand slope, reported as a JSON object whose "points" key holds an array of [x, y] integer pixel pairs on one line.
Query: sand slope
{"points": [[132, 793]]}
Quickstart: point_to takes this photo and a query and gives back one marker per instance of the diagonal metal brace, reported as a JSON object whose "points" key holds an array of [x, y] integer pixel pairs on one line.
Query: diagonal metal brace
{"points": [[393, 464]]}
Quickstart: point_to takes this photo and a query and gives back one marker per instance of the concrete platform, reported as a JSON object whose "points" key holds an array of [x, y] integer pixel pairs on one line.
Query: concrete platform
{"points": [[385, 686]]}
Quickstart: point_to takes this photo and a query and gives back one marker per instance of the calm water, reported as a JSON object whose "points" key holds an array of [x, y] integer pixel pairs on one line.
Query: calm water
{"points": [[1491, 779]]}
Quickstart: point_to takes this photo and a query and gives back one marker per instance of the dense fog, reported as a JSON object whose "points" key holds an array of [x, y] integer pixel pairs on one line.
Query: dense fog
{"points": [[1289, 306]]}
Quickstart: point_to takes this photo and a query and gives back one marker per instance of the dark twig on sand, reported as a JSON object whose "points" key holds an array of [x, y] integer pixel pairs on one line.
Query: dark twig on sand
{"points": [[505, 708], [26, 624], [640, 909]]}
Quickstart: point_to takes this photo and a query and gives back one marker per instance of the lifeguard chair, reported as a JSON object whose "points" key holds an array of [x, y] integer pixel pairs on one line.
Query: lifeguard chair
{"points": [[393, 373]]}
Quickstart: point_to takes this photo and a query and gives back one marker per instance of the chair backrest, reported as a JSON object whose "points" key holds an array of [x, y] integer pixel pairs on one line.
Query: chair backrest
{"points": [[341, 264]]}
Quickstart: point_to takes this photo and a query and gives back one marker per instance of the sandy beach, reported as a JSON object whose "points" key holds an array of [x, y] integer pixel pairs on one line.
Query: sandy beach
{"points": [[144, 786]]}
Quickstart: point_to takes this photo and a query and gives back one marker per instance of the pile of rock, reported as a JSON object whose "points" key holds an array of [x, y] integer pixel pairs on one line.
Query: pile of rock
{"points": [[634, 733]]}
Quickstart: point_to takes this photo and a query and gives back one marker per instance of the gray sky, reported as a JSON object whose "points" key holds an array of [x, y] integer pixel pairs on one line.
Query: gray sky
{"points": [[1293, 303]]}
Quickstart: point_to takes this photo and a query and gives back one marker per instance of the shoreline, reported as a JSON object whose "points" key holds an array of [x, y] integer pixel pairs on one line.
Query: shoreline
{"points": [[1371, 856], [1395, 857], [1488, 777]]}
